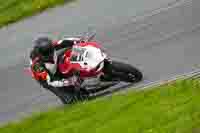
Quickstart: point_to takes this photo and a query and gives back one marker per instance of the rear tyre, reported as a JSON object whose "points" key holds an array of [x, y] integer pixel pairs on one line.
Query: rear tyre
{"points": [[67, 96], [72, 97]]}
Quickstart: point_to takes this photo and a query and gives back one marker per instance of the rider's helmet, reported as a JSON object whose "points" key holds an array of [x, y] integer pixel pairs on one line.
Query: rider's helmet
{"points": [[43, 47]]}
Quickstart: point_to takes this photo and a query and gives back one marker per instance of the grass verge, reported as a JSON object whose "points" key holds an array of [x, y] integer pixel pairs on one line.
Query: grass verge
{"points": [[14, 10], [171, 108]]}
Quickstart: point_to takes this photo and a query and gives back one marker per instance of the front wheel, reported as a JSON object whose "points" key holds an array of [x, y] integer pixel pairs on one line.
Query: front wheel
{"points": [[125, 72]]}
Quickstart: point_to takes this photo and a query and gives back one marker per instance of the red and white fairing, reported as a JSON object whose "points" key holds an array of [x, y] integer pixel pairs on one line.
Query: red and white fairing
{"points": [[87, 57]]}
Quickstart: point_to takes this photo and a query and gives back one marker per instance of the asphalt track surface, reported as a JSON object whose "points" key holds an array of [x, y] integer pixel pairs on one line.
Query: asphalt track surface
{"points": [[160, 37]]}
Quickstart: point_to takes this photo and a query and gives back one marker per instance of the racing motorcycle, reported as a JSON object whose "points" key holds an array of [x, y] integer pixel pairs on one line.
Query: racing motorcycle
{"points": [[104, 71]]}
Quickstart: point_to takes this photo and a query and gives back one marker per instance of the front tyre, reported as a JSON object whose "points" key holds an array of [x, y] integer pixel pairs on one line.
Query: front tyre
{"points": [[126, 72]]}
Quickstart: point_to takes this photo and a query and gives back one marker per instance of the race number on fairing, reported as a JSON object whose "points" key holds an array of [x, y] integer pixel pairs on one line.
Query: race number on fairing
{"points": [[77, 54]]}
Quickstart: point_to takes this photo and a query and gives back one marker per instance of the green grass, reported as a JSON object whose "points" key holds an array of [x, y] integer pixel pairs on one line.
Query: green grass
{"points": [[14, 10], [171, 108]]}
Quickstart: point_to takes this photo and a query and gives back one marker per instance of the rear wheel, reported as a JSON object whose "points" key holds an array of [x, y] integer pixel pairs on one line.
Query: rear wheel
{"points": [[72, 97], [67, 96]]}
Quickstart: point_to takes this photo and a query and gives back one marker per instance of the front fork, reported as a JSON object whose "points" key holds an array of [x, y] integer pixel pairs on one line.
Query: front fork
{"points": [[108, 71], [111, 74]]}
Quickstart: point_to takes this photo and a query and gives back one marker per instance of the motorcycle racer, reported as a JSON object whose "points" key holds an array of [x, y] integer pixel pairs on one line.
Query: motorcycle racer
{"points": [[44, 62]]}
